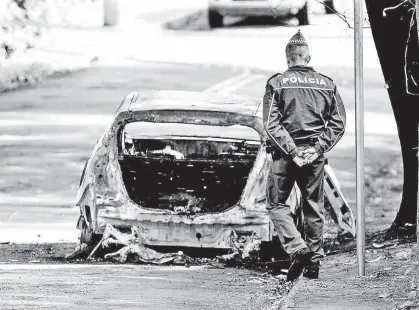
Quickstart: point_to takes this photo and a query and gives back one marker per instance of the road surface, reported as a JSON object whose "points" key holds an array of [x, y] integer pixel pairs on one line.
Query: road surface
{"points": [[131, 287]]}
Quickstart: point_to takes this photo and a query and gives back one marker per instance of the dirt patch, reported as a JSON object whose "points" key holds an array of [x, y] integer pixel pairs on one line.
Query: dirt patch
{"points": [[386, 284], [35, 253], [383, 193]]}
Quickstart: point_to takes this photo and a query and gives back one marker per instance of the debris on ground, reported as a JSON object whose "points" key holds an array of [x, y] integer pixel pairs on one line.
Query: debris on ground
{"points": [[405, 254], [243, 247], [81, 251], [247, 251], [133, 250], [375, 260], [122, 247], [386, 295]]}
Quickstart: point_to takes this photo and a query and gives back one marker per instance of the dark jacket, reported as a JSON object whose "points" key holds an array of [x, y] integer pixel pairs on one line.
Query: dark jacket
{"points": [[300, 106]]}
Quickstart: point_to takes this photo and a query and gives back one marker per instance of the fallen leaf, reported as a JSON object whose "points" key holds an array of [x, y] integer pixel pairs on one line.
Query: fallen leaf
{"points": [[350, 263], [375, 260], [411, 295], [408, 270], [378, 245], [259, 279], [403, 255], [383, 245], [406, 305], [413, 285], [281, 277]]}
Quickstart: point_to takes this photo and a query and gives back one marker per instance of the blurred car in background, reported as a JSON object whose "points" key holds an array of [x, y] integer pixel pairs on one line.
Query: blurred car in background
{"points": [[217, 9]]}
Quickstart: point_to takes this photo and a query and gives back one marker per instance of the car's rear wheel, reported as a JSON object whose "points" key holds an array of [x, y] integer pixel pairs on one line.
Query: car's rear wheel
{"points": [[302, 16], [329, 6], [86, 234], [215, 19]]}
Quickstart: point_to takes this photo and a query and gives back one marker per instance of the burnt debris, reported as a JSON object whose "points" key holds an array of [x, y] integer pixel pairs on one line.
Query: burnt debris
{"points": [[187, 176]]}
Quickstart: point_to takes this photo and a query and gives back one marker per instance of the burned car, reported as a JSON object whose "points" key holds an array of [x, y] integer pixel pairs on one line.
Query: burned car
{"points": [[187, 169]]}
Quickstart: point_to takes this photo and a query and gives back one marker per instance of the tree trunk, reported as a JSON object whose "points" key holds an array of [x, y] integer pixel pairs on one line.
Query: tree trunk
{"points": [[394, 29]]}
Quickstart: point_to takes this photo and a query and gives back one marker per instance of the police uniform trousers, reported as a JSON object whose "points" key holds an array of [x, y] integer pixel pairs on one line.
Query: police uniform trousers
{"points": [[310, 179]]}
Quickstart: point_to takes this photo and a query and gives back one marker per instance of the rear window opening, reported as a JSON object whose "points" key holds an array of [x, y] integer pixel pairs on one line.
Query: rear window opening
{"points": [[185, 168]]}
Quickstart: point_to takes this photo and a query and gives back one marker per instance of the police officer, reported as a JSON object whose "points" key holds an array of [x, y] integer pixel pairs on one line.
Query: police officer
{"points": [[304, 118]]}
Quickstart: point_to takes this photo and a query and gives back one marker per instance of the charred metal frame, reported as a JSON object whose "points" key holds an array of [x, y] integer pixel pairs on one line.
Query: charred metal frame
{"points": [[102, 189]]}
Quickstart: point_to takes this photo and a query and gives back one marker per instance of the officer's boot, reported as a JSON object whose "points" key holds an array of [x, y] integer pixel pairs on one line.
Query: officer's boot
{"points": [[311, 271]]}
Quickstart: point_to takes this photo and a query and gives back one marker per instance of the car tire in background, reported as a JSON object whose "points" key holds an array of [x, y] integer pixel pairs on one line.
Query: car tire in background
{"points": [[302, 16], [86, 234], [215, 19], [329, 6]]}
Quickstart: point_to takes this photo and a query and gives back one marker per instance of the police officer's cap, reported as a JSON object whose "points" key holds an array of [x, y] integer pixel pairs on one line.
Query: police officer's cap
{"points": [[297, 39]]}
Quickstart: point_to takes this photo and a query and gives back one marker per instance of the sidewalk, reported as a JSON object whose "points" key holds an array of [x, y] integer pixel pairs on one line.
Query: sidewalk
{"points": [[385, 286]]}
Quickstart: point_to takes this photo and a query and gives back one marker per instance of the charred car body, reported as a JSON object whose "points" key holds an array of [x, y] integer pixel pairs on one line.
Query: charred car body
{"points": [[188, 169]]}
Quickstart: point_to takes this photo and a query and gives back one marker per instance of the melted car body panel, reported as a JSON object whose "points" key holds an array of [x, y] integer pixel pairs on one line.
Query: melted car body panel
{"points": [[103, 197]]}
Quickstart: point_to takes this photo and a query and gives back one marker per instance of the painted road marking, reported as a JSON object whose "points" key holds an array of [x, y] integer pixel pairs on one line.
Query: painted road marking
{"points": [[251, 79], [233, 84], [226, 83]]}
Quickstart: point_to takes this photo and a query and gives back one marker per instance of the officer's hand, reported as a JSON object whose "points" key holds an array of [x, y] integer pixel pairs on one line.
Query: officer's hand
{"points": [[310, 155], [299, 160]]}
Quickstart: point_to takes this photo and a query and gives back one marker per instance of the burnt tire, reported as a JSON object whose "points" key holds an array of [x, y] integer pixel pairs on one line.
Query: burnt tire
{"points": [[87, 235], [215, 19], [329, 6], [302, 16]]}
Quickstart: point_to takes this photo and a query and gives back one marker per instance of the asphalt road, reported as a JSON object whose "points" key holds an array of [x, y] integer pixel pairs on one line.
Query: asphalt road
{"points": [[131, 287]]}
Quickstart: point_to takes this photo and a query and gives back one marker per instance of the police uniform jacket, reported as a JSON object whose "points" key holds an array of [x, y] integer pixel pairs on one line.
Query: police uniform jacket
{"points": [[300, 106]]}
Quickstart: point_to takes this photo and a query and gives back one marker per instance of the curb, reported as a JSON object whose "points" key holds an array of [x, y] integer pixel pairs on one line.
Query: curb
{"points": [[288, 301]]}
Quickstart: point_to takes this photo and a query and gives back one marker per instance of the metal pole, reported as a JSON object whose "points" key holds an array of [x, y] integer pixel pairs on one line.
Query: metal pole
{"points": [[359, 133]]}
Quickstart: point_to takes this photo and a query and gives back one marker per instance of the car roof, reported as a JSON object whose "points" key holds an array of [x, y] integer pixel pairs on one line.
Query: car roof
{"points": [[192, 101]]}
